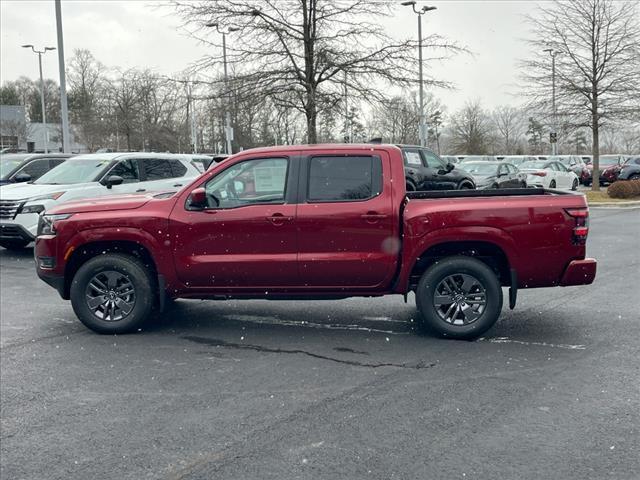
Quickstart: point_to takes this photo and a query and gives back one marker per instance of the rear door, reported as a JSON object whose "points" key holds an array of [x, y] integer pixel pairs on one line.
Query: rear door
{"points": [[347, 229], [162, 174], [417, 175]]}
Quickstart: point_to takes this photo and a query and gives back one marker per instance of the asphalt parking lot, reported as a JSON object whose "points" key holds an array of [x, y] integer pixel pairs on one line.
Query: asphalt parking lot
{"points": [[328, 390]]}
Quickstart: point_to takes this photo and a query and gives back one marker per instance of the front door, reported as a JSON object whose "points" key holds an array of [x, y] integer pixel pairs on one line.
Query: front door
{"points": [[246, 237], [348, 232]]}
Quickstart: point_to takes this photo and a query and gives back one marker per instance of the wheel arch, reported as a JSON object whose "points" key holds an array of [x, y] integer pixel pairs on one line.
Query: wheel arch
{"points": [[86, 251], [487, 252]]}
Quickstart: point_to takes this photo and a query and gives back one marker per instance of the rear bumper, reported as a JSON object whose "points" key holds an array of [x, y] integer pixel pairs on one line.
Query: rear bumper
{"points": [[579, 272]]}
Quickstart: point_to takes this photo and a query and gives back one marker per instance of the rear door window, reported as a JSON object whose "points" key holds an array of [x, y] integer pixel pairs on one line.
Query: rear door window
{"points": [[157, 169], [340, 179], [412, 158]]}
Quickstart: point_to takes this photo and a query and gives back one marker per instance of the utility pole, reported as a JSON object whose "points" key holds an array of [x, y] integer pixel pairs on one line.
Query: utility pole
{"points": [[66, 140], [228, 130], [45, 133], [554, 134], [422, 126]]}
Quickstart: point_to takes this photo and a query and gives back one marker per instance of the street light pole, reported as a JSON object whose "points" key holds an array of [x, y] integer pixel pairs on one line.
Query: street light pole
{"points": [[66, 140], [554, 144], [422, 126], [44, 117], [227, 115]]}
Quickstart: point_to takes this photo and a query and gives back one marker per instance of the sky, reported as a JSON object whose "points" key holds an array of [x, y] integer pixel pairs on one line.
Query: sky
{"points": [[139, 33]]}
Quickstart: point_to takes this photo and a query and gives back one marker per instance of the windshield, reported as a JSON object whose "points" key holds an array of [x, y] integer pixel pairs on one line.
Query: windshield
{"points": [[75, 171], [533, 164], [609, 160], [474, 158], [514, 160], [563, 160], [8, 164], [481, 168]]}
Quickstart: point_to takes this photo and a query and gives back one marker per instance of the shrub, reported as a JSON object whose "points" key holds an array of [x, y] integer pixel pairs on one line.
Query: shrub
{"points": [[624, 189]]}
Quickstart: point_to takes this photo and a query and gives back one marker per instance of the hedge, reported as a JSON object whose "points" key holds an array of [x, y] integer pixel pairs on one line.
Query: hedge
{"points": [[624, 189]]}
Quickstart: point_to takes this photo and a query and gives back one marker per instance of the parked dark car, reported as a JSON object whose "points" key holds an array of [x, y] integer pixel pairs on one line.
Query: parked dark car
{"points": [[424, 170], [496, 175], [26, 167], [609, 166], [518, 160], [630, 169]]}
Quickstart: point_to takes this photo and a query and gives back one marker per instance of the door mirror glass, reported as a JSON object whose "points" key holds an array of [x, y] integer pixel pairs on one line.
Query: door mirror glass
{"points": [[22, 177], [112, 180], [197, 199]]}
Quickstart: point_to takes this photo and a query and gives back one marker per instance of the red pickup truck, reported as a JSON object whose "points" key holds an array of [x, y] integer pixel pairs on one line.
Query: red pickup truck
{"points": [[313, 222]]}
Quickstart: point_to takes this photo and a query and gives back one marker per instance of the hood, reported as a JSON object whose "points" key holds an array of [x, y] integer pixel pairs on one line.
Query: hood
{"points": [[22, 191], [102, 204]]}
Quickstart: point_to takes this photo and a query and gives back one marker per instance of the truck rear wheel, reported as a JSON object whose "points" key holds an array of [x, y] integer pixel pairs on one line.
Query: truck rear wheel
{"points": [[113, 293], [459, 297]]}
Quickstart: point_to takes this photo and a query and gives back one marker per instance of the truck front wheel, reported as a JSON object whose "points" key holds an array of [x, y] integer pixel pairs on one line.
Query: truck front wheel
{"points": [[459, 297], [113, 293]]}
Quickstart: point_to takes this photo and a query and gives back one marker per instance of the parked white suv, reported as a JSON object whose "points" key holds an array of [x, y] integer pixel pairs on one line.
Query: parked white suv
{"points": [[87, 176]]}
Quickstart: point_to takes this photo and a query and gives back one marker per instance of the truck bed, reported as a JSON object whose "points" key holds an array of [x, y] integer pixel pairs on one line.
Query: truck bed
{"points": [[506, 192]]}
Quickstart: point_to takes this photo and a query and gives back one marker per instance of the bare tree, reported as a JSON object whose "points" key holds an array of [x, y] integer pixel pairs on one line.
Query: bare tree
{"points": [[511, 125], [597, 63], [301, 50], [86, 87], [470, 129]]}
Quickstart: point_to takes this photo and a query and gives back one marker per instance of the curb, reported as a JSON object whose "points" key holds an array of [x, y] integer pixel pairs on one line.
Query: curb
{"points": [[632, 204]]}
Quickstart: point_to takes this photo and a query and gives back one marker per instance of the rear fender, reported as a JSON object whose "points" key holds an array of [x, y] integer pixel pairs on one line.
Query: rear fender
{"points": [[415, 247]]}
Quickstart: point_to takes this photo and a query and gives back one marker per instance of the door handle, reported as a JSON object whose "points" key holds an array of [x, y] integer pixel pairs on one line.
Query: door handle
{"points": [[141, 190], [178, 185], [279, 219], [373, 217]]}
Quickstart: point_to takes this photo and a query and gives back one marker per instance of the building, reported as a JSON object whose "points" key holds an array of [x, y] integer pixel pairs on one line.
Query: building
{"points": [[36, 138], [13, 127]]}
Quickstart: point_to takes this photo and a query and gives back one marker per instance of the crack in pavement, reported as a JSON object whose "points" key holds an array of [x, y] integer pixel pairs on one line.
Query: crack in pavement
{"points": [[214, 342]]}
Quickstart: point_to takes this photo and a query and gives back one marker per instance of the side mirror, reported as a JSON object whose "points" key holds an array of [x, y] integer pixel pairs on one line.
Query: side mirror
{"points": [[197, 199], [450, 166], [112, 180], [22, 177]]}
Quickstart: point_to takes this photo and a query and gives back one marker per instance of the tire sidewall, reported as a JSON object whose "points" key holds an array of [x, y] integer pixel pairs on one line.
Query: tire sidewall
{"points": [[455, 265], [134, 271]]}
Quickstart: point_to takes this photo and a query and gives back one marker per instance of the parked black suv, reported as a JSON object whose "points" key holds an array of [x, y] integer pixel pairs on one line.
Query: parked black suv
{"points": [[424, 170], [630, 169], [26, 167]]}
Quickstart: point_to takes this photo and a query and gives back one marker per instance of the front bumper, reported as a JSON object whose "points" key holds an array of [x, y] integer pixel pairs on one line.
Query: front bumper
{"points": [[579, 272], [54, 280], [15, 231]]}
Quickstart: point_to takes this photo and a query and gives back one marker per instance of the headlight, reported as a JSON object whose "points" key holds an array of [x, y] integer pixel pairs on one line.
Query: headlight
{"points": [[47, 223], [32, 209]]}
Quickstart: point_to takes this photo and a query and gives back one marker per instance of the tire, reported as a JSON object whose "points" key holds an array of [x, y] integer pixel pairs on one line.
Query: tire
{"points": [[587, 183], [523, 185], [410, 187], [460, 325], [14, 244], [495, 186], [552, 184], [635, 176], [121, 277], [465, 186], [574, 187]]}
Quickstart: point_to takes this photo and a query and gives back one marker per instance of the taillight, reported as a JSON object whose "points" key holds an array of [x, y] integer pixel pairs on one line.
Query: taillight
{"points": [[581, 229], [539, 174]]}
